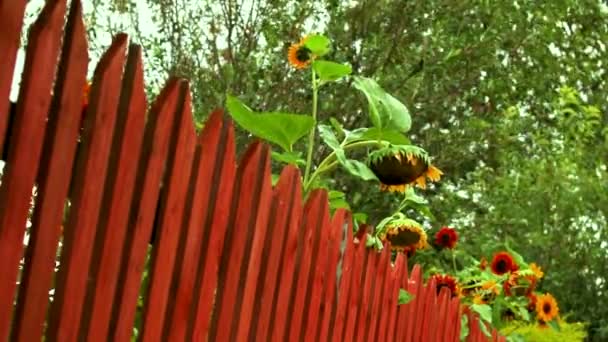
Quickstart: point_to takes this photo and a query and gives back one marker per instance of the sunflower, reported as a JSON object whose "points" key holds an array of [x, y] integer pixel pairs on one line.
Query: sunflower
{"points": [[298, 55], [399, 166], [483, 296], [478, 299], [509, 283], [446, 238], [405, 235], [490, 286], [538, 272], [546, 307], [502, 263], [445, 280]]}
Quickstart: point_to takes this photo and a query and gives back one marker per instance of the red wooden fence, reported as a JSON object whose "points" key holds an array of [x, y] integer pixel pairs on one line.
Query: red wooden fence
{"points": [[234, 258]]}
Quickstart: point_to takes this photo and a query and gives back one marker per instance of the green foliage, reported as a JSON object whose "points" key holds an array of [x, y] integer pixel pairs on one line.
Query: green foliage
{"points": [[318, 44], [280, 128], [331, 71], [571, 332], [385, 111], [405, 297]]}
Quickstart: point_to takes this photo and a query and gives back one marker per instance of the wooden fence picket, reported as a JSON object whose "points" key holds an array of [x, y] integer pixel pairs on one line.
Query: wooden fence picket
{"points": [[286, 201], [231, 257], [341, 223], [217, 212], [26, 144], [86, 195], [146, 192], [59, 150], [11, 17], [246, 212], [119, 186], [170, 217]]}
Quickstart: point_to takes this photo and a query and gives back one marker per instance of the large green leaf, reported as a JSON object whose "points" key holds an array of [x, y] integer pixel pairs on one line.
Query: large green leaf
{"points": [[484, 311], [318, 44], [283, 129], [331, 71], [386, 112], [392, 136], [329, 137], [355, 167], [289, 158]]}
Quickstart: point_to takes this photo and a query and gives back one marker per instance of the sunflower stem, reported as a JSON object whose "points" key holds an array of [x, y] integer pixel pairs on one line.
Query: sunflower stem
{"points": [[329, 162], [454, 260], [311, 136]]}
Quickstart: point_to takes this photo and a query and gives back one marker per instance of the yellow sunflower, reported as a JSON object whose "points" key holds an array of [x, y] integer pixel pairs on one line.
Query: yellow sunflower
{"points": [[538, 272], [490, 285], [396, 167], [546, 307], [405, 235], [298, 55]]}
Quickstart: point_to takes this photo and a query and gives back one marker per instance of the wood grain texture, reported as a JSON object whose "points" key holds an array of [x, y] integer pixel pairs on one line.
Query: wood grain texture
{"points": [[25, 142]]}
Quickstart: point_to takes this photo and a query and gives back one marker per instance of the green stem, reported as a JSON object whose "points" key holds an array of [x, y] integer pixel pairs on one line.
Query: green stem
{"points": [[311, 136], [454, 260], [330, 161]]}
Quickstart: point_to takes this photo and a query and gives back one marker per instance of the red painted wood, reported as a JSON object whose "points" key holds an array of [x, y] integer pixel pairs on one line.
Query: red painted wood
{"points": [[251, 189], [357, 281], [283, 205], [25, 143], [287, 270], [319, 273], [427, 319], [154, 152], [86, 195], [171, 217], [454, 318], [11, 17], [217, 214], [119, 185], [312, 218], [406, 313], [370, 276], [386, 331], [59, 149], [382, 279], [206, 187], [346, 264], [341, 222], [439, 331], [250, 270]]}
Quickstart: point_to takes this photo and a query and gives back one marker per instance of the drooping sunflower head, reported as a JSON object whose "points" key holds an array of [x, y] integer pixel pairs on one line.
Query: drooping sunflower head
{"points": [[398, 166], [446, 238], [546, 307], [502, 263], [405, 235], [298, 55], [445, 280]]}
